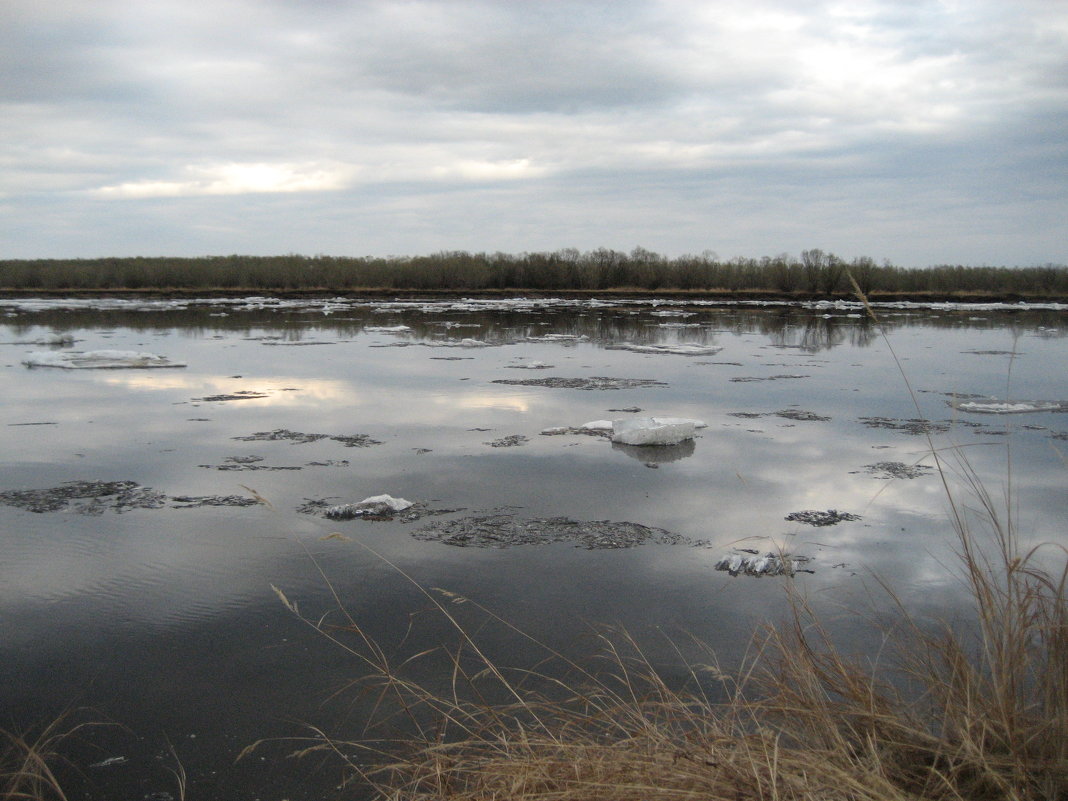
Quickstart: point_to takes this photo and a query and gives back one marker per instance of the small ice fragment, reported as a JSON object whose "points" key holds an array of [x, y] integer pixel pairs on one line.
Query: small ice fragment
{"points": [[110, 761], [650, 431], [597, 425], [1009, 407]]}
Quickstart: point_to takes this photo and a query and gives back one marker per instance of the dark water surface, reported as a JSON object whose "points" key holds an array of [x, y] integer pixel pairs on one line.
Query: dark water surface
{"points": [[163, 619]]}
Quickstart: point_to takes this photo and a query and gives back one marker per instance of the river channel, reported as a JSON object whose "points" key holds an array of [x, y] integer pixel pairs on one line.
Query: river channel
{"points": [[170, 471]]}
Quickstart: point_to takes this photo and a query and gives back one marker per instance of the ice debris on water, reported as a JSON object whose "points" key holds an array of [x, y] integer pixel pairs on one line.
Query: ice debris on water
{"points": [[53, 339], [677, 349], [994, 406], [110, 762], [98, 360], [594, 428], [652, 431], [770, 564], [374, 506], [591, 383]]}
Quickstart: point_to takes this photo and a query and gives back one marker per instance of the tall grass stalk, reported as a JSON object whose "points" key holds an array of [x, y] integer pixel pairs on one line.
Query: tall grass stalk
{"points": [[27, 763], [953, 710]]}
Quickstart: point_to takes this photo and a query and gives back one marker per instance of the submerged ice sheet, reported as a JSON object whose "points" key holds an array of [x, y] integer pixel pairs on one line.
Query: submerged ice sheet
{"points": [[98, 359]]}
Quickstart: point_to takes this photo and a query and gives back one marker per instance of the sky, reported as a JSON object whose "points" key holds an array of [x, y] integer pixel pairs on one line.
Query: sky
{"points": [[919, 131]]}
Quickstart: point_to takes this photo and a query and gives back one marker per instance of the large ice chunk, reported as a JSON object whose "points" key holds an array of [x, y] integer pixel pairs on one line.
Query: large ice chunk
{"points": [[652, 431], [97, 359]]}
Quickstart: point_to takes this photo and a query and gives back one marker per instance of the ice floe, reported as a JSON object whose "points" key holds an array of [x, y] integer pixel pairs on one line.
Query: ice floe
{"points": [[652, 431], [993, 406], [54, 340], [591, 383], [98, 359], [769, 564], [606, 428], [676, 349]]}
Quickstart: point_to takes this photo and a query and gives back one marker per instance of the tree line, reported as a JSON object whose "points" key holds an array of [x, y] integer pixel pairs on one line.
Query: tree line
{"points": [[815, 272]]}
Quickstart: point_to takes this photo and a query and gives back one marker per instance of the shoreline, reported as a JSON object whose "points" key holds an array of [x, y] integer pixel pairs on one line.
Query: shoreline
{"points": [[725, 296]]}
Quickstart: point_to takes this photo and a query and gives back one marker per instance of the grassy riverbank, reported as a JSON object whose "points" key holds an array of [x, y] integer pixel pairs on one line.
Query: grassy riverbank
{"points": [[814, 274]]}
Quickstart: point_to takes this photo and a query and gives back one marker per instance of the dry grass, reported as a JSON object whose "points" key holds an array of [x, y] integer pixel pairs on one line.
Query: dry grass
{"points": [[975, 714], [27, 763]]}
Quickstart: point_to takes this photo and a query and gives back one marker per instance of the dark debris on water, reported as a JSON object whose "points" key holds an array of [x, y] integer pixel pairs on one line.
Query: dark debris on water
{"points": [[97, 497], [592, 383], [505, 530], [813, 517], [299, 437]]}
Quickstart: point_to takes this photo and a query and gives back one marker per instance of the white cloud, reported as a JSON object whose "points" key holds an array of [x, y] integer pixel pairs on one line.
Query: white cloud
{"points": [[237, 179]]}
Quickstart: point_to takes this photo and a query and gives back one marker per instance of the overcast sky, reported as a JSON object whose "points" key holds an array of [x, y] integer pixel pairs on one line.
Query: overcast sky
{"points": [[918, 131]]}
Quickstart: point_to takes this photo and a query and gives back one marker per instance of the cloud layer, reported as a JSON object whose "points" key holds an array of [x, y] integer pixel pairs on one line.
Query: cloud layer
{"points": [[917, 131]]}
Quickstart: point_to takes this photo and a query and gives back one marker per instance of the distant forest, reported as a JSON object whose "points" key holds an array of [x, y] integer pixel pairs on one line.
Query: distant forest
{"points": [[815, 272]]}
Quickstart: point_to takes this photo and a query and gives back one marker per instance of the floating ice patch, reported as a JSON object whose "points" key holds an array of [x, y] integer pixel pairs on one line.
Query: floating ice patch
{"points": [[98, 360], [594, 382], [770, 564], [387, 329], [532, 365], [1008, 407], [678, 350], [744, 379], [55, 340], [652, 431]]}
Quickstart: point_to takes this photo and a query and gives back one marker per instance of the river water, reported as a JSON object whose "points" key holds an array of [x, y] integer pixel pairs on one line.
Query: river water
{"points": [[150, 514]]}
